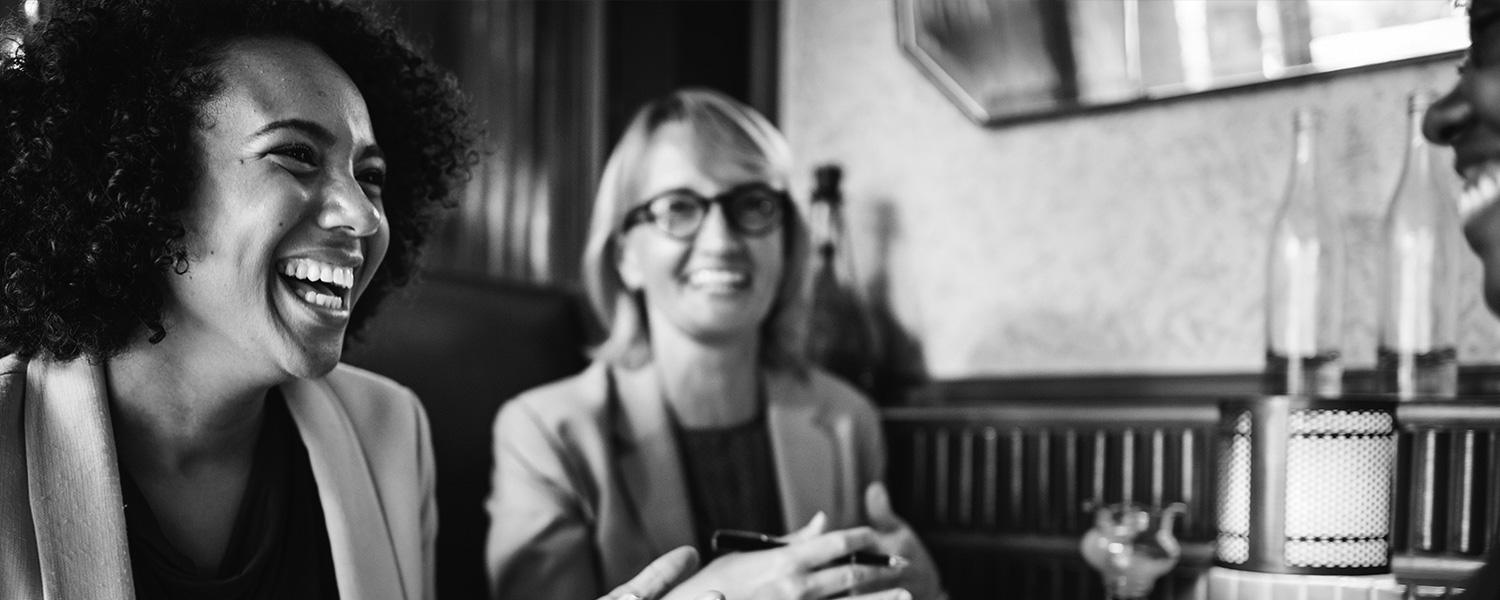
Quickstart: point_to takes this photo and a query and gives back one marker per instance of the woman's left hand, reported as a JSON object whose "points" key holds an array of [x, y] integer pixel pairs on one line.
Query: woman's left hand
{"points": [[896, 538], [661, 576]]}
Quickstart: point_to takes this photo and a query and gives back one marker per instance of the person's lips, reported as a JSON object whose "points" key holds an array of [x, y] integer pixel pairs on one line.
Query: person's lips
{"points": [[319, 283], [719, 279], [1481, 188]]}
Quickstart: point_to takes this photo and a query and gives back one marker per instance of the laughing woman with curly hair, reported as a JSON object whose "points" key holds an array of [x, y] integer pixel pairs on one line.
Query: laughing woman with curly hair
{"points": [[198, 200]]}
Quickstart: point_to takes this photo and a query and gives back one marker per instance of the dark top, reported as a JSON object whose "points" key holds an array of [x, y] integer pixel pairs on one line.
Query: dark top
{"points": [[731, 479], [279, 545]]}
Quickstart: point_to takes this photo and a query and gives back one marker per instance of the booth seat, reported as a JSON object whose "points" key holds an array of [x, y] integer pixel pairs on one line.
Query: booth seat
{"points": [[465, 346]]}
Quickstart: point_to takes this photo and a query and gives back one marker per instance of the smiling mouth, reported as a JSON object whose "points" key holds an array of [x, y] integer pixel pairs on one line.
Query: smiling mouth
{"points": [[319, 284], [719, 279]]}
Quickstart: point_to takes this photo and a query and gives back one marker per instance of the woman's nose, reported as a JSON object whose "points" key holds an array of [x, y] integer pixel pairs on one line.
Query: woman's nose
{"points": [[715, 232], [346, 208], [1449, 117]]}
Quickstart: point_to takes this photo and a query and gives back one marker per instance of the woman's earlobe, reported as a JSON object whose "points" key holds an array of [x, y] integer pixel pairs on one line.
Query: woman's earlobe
{"points": [[628, 269]]}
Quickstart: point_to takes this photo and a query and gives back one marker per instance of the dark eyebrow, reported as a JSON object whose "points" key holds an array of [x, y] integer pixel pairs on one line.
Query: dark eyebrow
{"points": [[369, 152], [318, 132]]}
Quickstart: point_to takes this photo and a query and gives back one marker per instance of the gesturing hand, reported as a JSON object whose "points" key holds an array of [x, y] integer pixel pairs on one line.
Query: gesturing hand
{"points": [[894, 536], [661, 576], [803, 569]]}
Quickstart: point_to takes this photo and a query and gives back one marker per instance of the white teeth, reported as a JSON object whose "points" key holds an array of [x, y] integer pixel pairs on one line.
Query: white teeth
{"points": [[311, 270], [323, 300], [717, 277], [1481, 189], [308, 269]]}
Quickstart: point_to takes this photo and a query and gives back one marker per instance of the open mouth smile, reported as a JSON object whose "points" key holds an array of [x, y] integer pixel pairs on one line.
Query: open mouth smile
{"points": [[720, 280], [319, 284]]}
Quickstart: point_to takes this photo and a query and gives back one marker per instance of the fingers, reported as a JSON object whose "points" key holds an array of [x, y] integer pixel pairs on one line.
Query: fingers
{"points": [[851, 577], [895, 594], [814, 528], [824, 548], [878, 508], [659, 576]]}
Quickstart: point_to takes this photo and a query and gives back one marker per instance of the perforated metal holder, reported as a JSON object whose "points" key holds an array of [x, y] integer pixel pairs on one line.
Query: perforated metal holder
{"points": [[1305, 485]]}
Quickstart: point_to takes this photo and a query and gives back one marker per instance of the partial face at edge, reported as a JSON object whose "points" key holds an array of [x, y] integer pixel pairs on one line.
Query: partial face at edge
{"points": [[286, 225], [1468, 119]]}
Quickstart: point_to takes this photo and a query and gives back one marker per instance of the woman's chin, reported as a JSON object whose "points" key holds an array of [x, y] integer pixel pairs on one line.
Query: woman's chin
{"points": [[313, 362]]}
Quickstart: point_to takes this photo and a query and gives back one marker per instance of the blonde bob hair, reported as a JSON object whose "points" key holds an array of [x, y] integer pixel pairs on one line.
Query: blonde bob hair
{"points": [[726, 130]]}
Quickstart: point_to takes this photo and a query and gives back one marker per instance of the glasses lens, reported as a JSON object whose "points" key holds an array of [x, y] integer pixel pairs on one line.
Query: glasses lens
{"points": [[679, 214], [756, 210]]}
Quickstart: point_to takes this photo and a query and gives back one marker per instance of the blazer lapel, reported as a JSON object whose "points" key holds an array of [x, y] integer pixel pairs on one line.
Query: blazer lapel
{"points": [[649, 460], [364, 555], [806, 453], [74, 482]]}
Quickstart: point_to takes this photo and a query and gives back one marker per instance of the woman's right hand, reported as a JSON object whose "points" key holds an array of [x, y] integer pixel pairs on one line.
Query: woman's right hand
{"points": [[799, 570]]}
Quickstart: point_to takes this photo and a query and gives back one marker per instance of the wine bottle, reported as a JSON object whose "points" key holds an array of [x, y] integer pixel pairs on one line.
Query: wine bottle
{"points": [[1305, 279], [843, 337], [1419, 275]]}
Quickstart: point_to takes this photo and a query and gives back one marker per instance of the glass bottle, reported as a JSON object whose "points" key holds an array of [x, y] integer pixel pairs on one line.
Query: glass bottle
{"points": [[1305, 280], [1418, 354], [843, 338]]}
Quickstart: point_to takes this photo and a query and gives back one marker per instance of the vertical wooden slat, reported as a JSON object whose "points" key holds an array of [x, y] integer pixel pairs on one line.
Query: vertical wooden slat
{"points": [[1101, 444], [989, 511], [1158, 467], [1424, 500], [1461, 492], [1127, 465], [920, 473], [966, 478], [940, 475], [1189, 496], [1492, 498], [1071, 502], [1016, 489], [1403, 492], [1042, 505]]}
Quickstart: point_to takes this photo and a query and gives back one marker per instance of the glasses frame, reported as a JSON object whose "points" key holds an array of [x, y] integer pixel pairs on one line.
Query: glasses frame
{"points": [[642, 212]]}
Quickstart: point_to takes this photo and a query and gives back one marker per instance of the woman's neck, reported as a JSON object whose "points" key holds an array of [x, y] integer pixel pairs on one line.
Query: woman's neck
{"points": [[708, 384], [177, 407]]}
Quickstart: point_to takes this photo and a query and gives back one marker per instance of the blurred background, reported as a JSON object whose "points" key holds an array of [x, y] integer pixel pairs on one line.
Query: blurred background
{"points": [[1075, 240], [1057, 215]]}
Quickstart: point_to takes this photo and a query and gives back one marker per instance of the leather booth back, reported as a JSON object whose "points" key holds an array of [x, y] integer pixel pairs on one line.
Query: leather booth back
{"points": [[466, 346]]}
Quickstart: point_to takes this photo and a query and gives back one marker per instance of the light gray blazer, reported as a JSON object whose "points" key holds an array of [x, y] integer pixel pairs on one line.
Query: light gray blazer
{"points": [[583, 496], [62, 528]]}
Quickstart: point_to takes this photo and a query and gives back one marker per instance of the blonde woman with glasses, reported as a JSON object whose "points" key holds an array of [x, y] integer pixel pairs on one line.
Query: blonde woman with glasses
{"points": [[701, 412]]}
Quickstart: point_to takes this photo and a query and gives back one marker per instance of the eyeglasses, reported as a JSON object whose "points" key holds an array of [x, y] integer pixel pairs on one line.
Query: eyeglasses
{"points": [[753, 209]]}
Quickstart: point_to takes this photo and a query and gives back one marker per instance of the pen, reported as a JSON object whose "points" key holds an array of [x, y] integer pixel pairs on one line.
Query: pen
{"points": [[730, 540]]}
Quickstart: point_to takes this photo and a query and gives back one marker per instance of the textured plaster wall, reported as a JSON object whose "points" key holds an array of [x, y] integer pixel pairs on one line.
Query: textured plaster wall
{"points": [[1126, 241]]}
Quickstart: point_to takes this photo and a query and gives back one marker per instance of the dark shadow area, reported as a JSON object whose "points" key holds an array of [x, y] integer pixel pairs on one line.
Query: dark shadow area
{"points": [[903, 363], [466, 346]]}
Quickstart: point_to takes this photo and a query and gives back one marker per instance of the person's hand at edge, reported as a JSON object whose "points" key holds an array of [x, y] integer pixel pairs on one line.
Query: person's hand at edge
{"points": [[661, 576], [897, 538]]}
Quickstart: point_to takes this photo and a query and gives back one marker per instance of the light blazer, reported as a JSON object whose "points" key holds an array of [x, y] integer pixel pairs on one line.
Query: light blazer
{"points": [[583, 496], [62, 530]]}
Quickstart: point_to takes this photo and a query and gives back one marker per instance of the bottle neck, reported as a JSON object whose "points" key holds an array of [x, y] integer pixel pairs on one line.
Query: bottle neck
{"points": [[1303, 185], [1418, 150]]}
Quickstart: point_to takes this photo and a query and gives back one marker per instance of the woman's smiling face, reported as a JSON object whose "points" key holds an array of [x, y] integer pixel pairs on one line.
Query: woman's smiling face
{"points": [[718, 284], [286, 225]]}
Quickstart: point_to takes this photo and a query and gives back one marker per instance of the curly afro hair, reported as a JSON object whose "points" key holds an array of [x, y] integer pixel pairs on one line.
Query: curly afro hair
{"points": [[97, 161]]}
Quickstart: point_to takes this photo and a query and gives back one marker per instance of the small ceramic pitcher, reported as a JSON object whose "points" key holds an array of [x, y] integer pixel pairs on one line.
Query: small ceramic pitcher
{"points": [[1131, 545]]}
